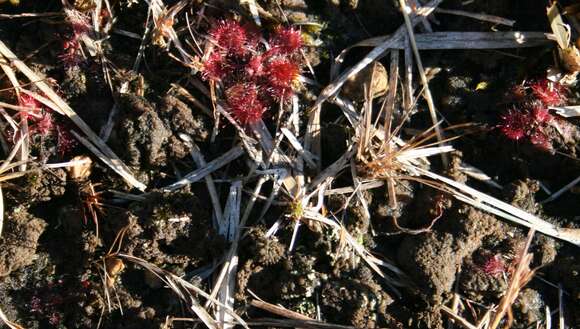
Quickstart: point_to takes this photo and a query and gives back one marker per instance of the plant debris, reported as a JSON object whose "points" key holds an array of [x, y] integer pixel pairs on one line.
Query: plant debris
{"points": [[309, 164]]}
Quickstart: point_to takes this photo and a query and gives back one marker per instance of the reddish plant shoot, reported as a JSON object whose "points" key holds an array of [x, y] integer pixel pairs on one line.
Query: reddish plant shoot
{"points": [[245, 105], [71, 51], [79, 25], [78, 21], [230, 37], [548, 92], [515, 124], [494, 266], [529, 118], [216, 67], [541, 140], [65, 141], [541, 114], [281, 73], [29, 101], [287, 41], [39, 118], [44, 126], [253, 75]]}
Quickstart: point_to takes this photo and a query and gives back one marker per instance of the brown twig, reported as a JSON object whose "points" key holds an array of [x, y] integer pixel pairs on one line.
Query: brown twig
{"points": [[520, 275]]}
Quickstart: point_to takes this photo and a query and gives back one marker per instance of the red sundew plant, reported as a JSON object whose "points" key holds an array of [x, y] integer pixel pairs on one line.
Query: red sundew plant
{"points": [[216, 67], [28, 101], [44, 126], [71, 51], [549, 93], [253, 74], [79, 25], [41, 121], [50, 301], [541, 114], [514, 124], [529, 118], [230, 36], [79, 22], [286, 41], [34, 108], [281, 73], [494, 266], [244, 102], [65, 141]]}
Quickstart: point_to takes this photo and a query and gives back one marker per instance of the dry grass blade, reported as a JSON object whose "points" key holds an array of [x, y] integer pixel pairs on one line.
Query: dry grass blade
{"points": [[269, 145], [30, 15], [279, 310], [360, 250], [520, 275], [312, 142], [388, 105], [200, 162], [278, 180], [7, 322], [481, 17], [7, 165], [427, 92], [571, 111], [462, 40], [231, 231], [295, 143], [252, 201], [561, 320], [1, 211], [164, 19], [561, 32], [478, 174], [211, 166], [332, 88], [367, 185], [231, 259], [291, 323], [185, 291], [23, 124], [459, 319], [253, 7], [333, 169], [480, 40], [116, 164], [499, 208], [275, 155], [563, 190], [109, 162]]}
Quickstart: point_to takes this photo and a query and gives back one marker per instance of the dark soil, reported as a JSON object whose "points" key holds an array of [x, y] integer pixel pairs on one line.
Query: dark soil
{"points": [[52, 251]]}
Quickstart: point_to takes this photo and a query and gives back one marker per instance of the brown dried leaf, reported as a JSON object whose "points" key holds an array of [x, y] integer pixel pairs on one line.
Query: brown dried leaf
{"points": [[560, 29], [570, 58], [82, 170]]}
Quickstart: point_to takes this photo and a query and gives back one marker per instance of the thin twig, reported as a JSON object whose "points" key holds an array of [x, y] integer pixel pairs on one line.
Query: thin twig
{"points": [[481, 17], [378, 51], [211, 166], [502, 209], [31, 15], [10, 324], [427, 92], [116, 164], [519, 277], [279, 310], [561, 191], [459, 319]]}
